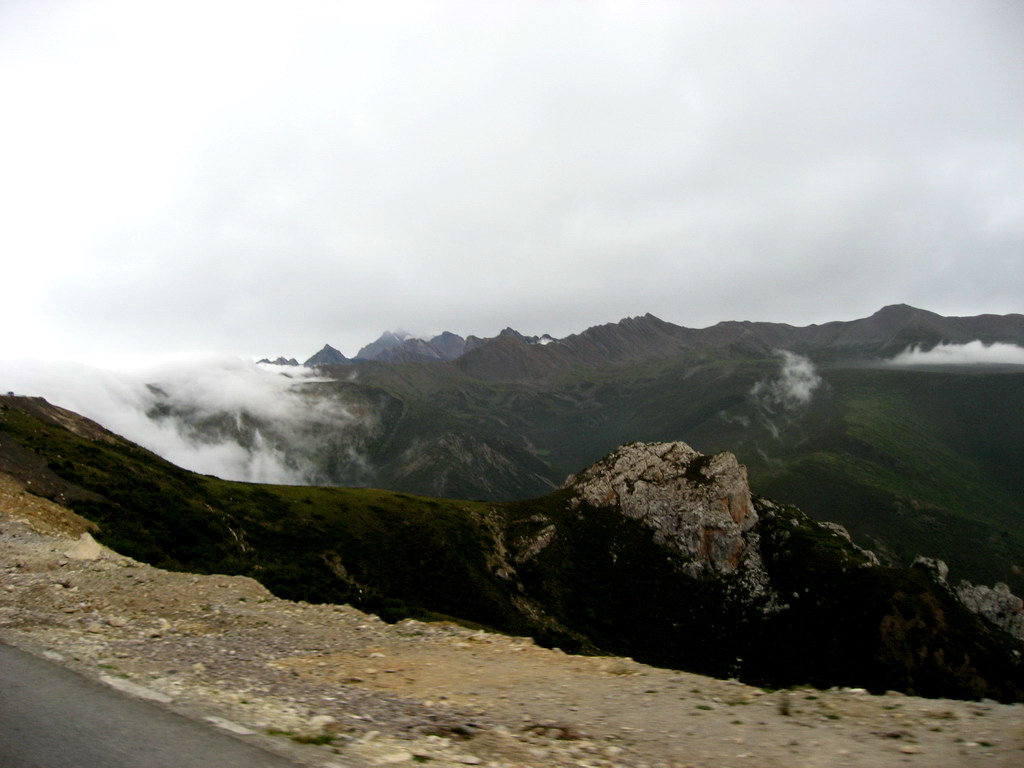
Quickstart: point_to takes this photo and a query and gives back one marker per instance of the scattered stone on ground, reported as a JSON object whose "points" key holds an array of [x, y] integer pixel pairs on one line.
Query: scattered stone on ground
{"points": [[330, 686]]}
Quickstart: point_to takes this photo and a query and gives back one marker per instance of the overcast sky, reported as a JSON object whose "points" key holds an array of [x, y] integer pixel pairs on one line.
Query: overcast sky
{"points": [[260, 178]]}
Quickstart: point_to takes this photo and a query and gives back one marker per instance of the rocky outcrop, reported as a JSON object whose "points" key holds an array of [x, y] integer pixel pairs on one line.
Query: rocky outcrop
{"points": [[997, 604], [699, 506]]}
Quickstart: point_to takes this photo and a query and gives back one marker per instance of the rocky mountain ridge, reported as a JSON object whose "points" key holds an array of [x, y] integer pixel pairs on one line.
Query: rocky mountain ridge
{"points": [[402, 347], [887, 332]]}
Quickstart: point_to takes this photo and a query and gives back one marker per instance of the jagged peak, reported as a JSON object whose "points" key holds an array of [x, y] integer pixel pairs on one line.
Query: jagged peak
{"points": [[327, 355], [385, 341]]}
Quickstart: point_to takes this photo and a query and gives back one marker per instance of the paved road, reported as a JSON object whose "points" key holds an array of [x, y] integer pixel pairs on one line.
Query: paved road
{"points": [[51, 717]]}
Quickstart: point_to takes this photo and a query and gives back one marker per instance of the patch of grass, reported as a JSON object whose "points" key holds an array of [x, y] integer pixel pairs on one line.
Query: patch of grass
{"points": [[318, 740]]}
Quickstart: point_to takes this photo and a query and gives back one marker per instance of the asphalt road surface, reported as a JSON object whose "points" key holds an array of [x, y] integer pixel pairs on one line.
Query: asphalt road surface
{"points": [[51, 717]]}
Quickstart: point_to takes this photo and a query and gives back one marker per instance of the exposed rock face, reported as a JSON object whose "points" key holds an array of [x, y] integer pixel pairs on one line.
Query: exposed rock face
{"points": [[698, 505], [995, 604], [999, 605], [938, 568]]}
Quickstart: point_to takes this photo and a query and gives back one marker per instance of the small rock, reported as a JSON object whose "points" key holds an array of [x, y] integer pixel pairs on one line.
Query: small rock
{"points": [[910, 749], [86, 548], [391, 758], [320, 723]]}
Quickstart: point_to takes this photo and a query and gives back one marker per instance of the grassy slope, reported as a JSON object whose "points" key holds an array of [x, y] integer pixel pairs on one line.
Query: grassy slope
{"points": [[385, 552], [601, 582], [912, 461]]}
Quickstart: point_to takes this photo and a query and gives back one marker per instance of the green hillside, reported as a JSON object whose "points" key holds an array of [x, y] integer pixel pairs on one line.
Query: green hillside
{"points": [[583, 578], [912, 461]]}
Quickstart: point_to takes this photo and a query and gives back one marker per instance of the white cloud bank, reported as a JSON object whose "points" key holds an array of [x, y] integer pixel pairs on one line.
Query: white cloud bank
{"points": [[972, 353], [222, 416]]}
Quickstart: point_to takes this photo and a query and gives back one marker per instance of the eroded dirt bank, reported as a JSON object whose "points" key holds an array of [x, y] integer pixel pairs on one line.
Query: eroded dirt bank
{"points": [[329, 685]]}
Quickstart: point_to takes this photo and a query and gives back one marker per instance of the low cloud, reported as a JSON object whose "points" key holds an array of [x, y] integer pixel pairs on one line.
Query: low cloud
{"points": [[779, 399], [793, 388], [222, 416], [972, 353]]}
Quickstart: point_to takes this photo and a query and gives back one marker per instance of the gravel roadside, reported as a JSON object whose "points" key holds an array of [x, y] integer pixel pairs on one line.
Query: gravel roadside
{"points": [[330, 686]]}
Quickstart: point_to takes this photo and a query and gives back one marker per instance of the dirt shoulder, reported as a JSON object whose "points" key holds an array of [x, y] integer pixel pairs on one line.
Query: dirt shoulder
{"points": [[330, 686]]}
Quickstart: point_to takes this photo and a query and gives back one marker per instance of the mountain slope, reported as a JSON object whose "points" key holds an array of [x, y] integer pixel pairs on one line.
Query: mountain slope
{"points": [[631, 557]]}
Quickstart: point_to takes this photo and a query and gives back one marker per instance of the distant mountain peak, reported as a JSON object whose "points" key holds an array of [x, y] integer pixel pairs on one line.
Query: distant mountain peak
{"points": [[900, 311], [386, 341], [328, 355]]}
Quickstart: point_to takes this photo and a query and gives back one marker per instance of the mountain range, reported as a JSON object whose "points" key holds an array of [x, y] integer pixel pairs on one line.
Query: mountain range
{"points": [[888, 332], [652, 547], [912, 459], [401, 347]]}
